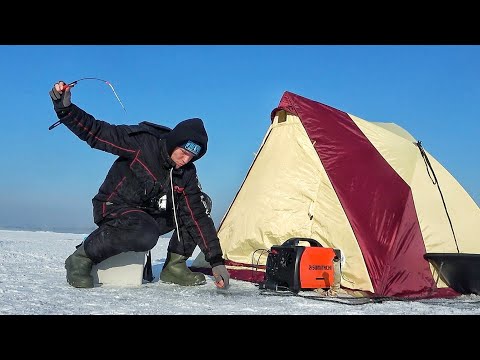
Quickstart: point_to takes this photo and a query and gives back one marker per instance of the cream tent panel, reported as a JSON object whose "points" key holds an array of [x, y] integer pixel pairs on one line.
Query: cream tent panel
{"points": [[395, 129], [274, 201], [464, 213]]}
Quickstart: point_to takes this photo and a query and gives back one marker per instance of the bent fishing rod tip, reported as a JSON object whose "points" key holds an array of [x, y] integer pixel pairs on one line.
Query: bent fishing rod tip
{"points": [[73, 83]]}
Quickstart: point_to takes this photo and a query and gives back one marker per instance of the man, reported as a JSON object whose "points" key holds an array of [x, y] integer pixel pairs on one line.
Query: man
{"points": [[151, 189]]}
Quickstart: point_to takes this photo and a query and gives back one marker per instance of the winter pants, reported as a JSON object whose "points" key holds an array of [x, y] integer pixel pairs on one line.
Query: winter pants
{"points": [[134, 230]]}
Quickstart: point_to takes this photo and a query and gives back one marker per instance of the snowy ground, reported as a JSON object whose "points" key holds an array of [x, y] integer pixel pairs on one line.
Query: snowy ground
{"points": [[32, 282]]}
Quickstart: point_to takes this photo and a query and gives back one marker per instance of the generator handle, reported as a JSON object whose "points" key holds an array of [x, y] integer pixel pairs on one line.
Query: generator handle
{"points": [[295, 241]]}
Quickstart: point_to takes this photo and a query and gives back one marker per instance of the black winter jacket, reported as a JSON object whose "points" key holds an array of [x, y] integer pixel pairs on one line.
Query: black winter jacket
{"points": [[141, 173]]}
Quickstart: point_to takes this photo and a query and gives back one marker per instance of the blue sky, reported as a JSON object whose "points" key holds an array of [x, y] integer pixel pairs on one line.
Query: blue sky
{"points": [[49, 177]]}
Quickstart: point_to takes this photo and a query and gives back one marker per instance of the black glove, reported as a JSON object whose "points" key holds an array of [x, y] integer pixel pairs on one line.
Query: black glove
{"points": [[220, 273], [61, 99]]}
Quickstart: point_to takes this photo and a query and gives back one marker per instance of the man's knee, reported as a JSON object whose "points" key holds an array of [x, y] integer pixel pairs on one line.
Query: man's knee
{"points": [[146, 237], [135, 231]]}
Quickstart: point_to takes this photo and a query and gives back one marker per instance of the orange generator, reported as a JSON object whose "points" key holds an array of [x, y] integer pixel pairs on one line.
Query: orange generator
{"points": [[293, 267]]}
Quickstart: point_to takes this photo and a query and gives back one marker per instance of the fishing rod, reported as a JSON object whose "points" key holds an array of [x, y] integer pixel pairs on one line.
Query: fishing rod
{"points": [[73, 83]]}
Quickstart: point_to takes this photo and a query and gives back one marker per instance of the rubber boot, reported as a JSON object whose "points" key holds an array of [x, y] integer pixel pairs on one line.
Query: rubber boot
{"points": [[175, 271], [78, 267]]}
